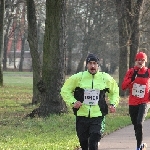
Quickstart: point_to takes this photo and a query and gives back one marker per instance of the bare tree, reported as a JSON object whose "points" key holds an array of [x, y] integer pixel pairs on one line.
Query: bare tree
{"points": [[128, 23], [92, 27], [12, 27], [2, 7]]}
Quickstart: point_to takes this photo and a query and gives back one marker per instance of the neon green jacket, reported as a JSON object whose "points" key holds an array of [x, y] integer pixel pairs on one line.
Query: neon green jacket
{"points": [[86, 80]]}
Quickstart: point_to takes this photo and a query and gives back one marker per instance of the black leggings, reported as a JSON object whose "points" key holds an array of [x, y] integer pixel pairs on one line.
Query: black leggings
{"points": [[138, 114], [88, 132]]}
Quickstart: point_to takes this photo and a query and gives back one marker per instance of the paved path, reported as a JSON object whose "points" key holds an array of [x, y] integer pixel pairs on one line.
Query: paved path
{"points": [[124, 139]]}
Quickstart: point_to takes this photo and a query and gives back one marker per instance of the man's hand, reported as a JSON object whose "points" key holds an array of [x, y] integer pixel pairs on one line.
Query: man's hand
{"points": [[112, 109], [77, 104]]}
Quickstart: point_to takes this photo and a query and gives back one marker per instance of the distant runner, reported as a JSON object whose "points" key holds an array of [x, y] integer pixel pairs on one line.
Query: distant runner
{"points": [[137, 79]]}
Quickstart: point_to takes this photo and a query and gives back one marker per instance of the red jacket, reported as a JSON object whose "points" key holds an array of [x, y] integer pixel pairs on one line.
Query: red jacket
{"points": [[139, 89]]}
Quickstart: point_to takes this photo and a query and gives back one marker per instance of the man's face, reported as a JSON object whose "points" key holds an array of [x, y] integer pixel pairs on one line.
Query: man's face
{"points": [[92, 67], [140, 63]]}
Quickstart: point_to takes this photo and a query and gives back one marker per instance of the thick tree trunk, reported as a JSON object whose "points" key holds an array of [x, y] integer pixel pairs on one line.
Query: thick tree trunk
{"points": [[53, 71], [32, 39]]}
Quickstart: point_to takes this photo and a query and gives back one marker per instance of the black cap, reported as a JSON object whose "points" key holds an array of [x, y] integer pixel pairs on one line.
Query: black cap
{"points": [[91, 57]]}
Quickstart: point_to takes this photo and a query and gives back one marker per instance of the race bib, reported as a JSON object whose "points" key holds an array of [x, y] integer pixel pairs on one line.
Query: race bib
{"points": [[138, 90], [91, 97]]}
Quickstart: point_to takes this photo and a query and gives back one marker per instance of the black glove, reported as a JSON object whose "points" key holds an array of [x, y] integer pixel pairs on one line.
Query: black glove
{"points": [[134, 75], [79, 96]]}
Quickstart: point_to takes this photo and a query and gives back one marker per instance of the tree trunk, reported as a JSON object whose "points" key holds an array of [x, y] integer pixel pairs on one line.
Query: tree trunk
{"points": [[14, 48], [2, 6], [135, 37], [53, 70], [6, 42], [86, 45], [69, 61], [32, 39], [124, 35], [22, 54]]}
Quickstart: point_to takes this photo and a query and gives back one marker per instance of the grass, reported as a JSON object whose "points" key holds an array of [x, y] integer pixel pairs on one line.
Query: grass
{"points": [[56, 132]]}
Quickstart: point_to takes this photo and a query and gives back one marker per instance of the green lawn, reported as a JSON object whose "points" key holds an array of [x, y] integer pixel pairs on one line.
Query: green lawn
{"points": [[56, 132]]}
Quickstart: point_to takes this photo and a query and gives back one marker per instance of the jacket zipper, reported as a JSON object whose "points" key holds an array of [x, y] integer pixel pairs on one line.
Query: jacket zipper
{"points": [[92, 88]]}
